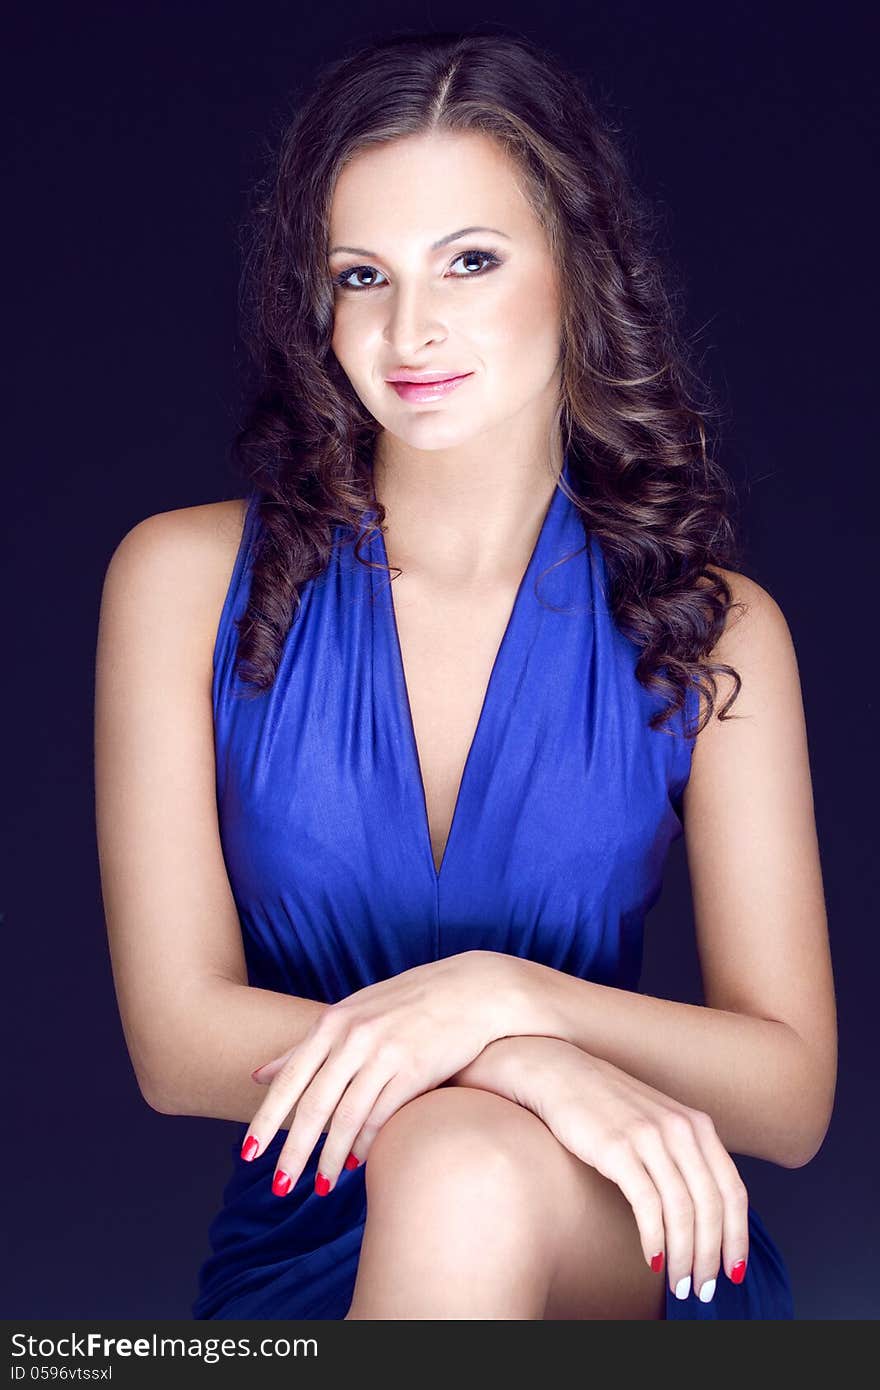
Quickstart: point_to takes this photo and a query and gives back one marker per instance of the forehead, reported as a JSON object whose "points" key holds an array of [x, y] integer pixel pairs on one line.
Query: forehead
{"points": [[423, 186]]}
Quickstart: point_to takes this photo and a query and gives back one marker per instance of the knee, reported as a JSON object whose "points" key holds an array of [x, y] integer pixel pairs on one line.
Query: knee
{"points": [[472, 1143]]}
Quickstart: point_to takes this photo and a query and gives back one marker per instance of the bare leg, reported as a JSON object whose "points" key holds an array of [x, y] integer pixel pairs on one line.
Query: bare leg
{"points": [[452, 1230], [475, 1210], [601, 1271]]}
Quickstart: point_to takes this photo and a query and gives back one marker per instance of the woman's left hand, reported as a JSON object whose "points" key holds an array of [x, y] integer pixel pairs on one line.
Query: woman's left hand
{"points": [[370, 1053]]}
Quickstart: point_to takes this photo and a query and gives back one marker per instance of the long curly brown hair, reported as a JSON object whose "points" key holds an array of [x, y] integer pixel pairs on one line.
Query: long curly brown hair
{"points": [[634, 433]]}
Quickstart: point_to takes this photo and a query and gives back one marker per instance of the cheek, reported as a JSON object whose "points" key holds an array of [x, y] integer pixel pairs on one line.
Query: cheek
{"points": [[340, 341], [349, 344], [522, 337]]}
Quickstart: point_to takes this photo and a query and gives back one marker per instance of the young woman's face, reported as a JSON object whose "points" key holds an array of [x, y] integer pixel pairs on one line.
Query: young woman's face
{"points": [[485, 304]]}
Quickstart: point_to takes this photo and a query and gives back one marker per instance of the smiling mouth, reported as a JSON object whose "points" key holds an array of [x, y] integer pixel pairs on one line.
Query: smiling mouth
{"points": [[428, 390], [423, 380]]}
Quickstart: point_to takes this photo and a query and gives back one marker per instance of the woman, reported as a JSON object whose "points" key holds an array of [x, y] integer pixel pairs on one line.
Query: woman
{"points": [[402, 846]]}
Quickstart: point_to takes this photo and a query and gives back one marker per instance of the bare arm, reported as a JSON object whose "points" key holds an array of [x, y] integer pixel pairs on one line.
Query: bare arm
{"points": [[761, 1056], [759, 1060], [753, 1076], [231, 1029], [194, 1027]]}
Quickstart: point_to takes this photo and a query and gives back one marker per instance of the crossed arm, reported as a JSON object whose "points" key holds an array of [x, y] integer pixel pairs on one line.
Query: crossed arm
{"points": [[760, 1057], [767, 1093], [769, 1096]]}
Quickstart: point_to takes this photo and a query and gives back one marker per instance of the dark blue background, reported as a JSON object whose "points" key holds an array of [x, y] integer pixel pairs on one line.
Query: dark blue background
{"points": [[132, 133]]}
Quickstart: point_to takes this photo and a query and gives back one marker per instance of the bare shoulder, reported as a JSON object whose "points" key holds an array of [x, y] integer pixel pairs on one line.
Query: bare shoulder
{"points": [[753, 852], [171, 916], [757, 643], [206, 536], [178, 565]]}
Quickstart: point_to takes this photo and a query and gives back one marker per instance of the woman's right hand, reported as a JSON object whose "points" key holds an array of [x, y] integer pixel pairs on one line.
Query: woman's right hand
{"points": [[686, 1193]]}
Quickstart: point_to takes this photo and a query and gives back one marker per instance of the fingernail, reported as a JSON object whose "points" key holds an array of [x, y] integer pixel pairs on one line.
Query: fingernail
{"points": [[322, 1185], [281, 1183], [249, 1148], [683, 1287], [657, 1261], [707, 1290], [738, 1273], [351, 1161]]}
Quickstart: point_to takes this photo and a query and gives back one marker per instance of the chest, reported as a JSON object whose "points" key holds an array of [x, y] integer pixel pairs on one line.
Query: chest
{"points": [[443, 770], [448, 644]]}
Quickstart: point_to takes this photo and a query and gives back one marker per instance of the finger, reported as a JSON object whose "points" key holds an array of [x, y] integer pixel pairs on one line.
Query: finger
{"points": [[314, 1115], [269, 1070], [626, 1169], [284, 1092], [390, 1099], [677, 1203], [323, 1030], [734, 1195], [348, 1122], [399, 1090], [681, 1140]]}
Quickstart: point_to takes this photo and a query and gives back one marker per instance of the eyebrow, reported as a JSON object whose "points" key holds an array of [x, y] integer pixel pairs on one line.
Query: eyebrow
{"points": [[444, 241]]}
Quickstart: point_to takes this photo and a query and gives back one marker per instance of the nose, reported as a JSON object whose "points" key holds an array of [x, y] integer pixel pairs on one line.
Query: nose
{"points": [[413, 321]]}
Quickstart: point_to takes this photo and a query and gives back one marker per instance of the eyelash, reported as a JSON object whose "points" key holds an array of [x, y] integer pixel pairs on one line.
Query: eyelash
{"points": [[488, 256]]}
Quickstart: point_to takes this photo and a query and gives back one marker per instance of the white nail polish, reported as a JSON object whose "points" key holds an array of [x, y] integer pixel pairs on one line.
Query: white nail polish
{"points": [[683, 1287], [707, 1291]]}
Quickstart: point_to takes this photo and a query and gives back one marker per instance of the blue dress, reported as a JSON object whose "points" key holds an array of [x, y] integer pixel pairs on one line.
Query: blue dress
{"points": [[566, 810]]}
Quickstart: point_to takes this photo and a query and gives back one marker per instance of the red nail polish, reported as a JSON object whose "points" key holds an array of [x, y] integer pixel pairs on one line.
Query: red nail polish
{"points": [[249, 1148], [322, 1185], [281, 1183], [351, 1161], [657, 1262], [738, 1273]]}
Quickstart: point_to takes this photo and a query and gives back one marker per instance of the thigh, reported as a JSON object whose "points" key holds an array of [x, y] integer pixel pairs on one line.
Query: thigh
{"points": [[600, 1270], [594, 1250]]}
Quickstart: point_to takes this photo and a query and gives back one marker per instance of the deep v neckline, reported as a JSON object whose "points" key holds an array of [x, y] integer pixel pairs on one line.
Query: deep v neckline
{"points": [[415, 764]]}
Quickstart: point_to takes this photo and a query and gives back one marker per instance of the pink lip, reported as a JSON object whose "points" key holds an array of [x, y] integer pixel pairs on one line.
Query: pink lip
{"points": [[427, 390]]}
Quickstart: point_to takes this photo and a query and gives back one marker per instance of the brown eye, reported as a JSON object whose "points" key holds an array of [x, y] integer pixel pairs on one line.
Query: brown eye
{"points": [[342, 279], [476, 255], [488, 258]]}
